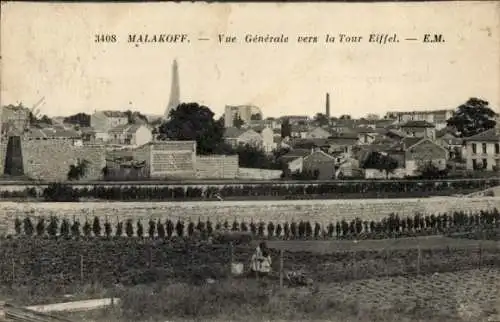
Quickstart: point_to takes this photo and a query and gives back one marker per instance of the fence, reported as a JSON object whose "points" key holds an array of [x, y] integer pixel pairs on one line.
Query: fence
{"points": [[61, 264]]}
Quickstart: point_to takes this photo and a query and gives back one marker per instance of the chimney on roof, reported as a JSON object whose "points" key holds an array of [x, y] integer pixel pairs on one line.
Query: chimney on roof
{"points": [[327, 112]]}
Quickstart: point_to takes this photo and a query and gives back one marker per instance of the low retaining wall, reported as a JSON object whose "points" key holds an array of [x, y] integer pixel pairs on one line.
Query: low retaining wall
{"points": [[322, 211]]}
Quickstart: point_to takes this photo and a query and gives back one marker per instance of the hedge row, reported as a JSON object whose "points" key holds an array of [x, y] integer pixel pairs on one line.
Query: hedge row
{"points": [[393, 225], [62, 192]]}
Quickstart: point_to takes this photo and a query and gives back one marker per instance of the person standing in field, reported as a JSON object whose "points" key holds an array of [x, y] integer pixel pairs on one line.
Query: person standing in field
{"points": [[261, 260]]}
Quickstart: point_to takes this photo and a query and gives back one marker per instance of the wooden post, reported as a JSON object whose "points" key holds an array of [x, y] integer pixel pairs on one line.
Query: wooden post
{"points": [[419, 258], [386, 262], [81, 268], [354, 267], [231, 259], [281, 268], [13, 270]]}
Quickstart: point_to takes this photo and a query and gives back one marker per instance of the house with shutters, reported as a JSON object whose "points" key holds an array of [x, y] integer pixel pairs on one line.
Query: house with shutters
{"points": [[482, 151]]}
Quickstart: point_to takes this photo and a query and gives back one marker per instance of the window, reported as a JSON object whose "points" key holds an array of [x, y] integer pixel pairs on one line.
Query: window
{"points": [[474, 164], [485, 163], [474, 148], [484, 148], [497, 148]]}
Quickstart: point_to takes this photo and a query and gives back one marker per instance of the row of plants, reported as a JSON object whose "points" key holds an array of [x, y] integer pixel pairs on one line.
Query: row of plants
{"points": [[393, 225], [64, 192]]}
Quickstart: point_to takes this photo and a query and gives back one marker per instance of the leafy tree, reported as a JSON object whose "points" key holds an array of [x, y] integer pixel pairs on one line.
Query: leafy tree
{"points": [[179, 228], [190, 229], [270, 229], [161, 229], [40, 226], [75, 228], [345, 117], [119, 229], [250, 156], [170, 227], [129, 228], [196, 122], [136, 117], [78, 170], [81, 119], [286, 128], [379, 161], [472, 117], [18, 226], [107, 229], [96, 226], [28, 226], [65, 228], [87, 228], [321, 119], [140, 229], [279, 230], [53, 226], [152, 228]]}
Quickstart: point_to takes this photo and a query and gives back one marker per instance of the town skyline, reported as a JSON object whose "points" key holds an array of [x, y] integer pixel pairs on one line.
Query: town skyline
{"points": [[286, 79]]}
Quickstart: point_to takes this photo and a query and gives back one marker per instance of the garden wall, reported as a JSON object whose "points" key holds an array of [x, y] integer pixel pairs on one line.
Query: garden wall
{"points": [[322, 211], [50, 160], [217, 167], [259, 174]]}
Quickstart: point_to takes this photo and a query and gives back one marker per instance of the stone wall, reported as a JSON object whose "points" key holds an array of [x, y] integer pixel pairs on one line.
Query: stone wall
{"points": [[49, 160], [217, 167], [322, 211], [259, 174], [173, 159]]}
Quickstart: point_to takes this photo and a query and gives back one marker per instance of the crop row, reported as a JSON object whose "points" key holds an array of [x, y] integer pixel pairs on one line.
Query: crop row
{"points": [[393, 225], [64, 192], [38, 261]]}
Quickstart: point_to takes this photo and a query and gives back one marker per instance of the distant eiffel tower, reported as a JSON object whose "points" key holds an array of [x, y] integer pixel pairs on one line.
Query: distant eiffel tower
{"points": [[175, 94]]}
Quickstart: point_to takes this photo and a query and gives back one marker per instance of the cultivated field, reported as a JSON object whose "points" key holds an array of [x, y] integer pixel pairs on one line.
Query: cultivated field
{"points": [[471, 295], [322, 211]]}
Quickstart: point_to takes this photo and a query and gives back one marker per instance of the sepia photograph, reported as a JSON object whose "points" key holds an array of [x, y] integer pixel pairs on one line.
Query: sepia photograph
{"points": [[204, 161]]}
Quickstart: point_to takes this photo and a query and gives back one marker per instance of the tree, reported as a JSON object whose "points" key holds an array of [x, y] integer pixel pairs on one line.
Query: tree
{"points": [[472, 117], [78, 170], [136, 117], [286, 128], [75, 228], [381, 162], [107, 228], [87, 228], [237, 121], [53, 226], [250, 156], [152, 228], [119, 229], [96, 226], [40, 226], [81, 119], [196, 122], [28, 226], [129, 228], [321, 119], [345, 117], [140, 229], [18, 226], [65, 228]]}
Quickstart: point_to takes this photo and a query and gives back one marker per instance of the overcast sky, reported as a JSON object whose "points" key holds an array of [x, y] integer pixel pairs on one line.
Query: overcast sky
{"points": [[48, 50]]}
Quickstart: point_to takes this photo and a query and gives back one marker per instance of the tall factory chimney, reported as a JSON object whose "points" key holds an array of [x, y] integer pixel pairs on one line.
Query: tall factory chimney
{"points": [[327, 112]]}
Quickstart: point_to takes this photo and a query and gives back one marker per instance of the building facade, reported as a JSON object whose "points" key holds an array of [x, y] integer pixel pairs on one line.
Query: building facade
{"points": [[482, 151], [245, 112]]}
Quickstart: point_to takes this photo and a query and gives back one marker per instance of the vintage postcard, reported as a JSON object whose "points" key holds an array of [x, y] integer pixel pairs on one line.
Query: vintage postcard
{"points": [[246, 161]]}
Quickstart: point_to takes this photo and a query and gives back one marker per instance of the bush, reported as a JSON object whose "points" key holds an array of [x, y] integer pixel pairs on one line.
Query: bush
{"points": [[60, 192]]}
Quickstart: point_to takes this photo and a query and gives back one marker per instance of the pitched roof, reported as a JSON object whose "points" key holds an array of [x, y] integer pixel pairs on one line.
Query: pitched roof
{"points": [[296, 153], [490, 135], [418, 123], [344, 135]]}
